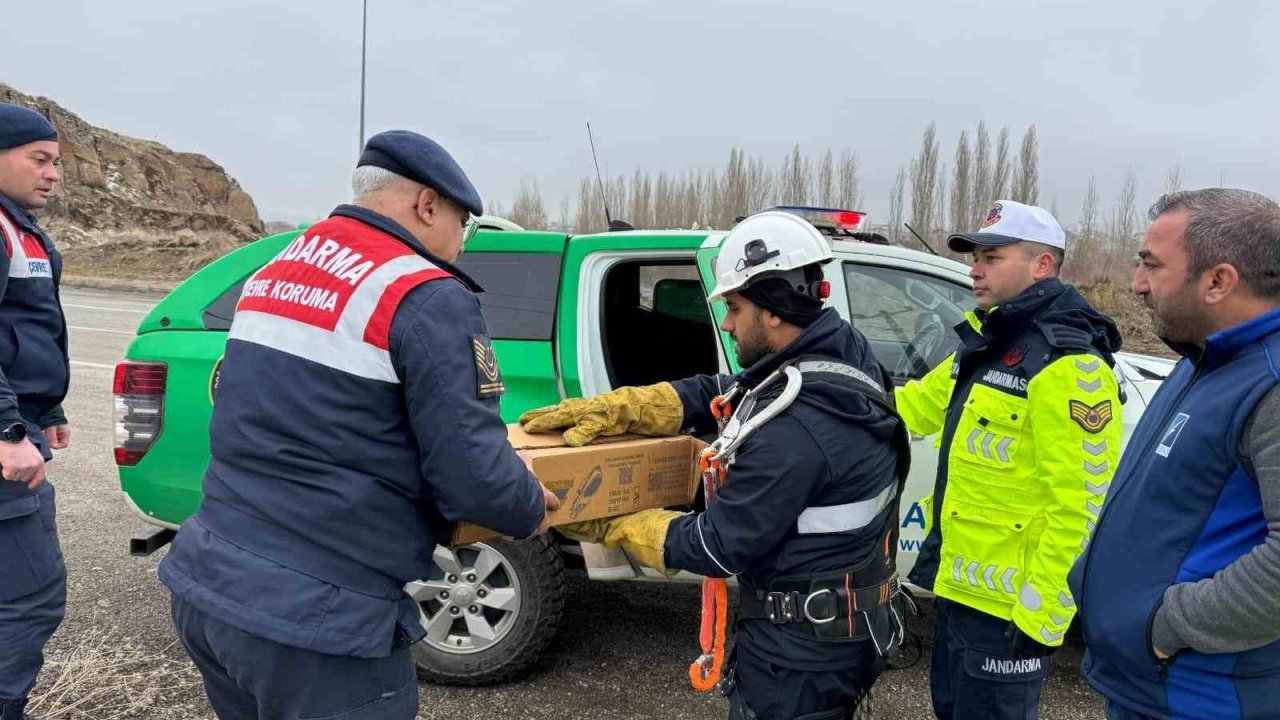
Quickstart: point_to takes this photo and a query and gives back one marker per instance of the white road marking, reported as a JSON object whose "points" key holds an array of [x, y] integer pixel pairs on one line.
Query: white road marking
{"points": [[99, 366], [102, 330], [101, 307]]}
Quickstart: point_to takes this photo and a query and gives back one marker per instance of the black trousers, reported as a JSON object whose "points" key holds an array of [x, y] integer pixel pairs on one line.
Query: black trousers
{"points": [[251, 678], [974, 675], [33, 593], [765, 690]]}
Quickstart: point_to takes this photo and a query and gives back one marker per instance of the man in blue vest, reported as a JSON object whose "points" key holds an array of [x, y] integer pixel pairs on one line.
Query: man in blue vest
{"points": [[1179, 592], [356, 418], [33, 381]]}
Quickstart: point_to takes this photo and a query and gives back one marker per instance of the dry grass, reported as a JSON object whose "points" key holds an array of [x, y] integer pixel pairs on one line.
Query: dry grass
{"points": [[142, 259], [106, 676], [1115, 300]]}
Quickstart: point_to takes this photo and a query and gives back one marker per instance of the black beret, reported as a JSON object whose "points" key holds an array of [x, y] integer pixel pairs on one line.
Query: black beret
{"points": [[421, 159], [19, 126]]}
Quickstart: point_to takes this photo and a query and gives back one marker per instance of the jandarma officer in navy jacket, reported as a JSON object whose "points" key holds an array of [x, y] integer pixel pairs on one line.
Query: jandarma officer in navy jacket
{"points": [[356, 417], [33, 381], [1179, 591]]}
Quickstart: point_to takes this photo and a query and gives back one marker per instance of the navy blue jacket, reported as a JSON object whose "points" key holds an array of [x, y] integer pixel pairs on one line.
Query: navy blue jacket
{"points": [[1183, 505], [340, 457], [34, 369], [831, 447]]}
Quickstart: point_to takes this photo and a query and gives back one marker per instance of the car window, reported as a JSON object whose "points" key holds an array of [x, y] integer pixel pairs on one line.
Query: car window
{"points": [[519, 298], [219, 313], [908, 317]]}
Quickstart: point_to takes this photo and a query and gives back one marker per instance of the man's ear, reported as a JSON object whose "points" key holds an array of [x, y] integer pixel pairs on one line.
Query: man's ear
{"points": [[1044, 266], [1220, 281], [428, 205]]}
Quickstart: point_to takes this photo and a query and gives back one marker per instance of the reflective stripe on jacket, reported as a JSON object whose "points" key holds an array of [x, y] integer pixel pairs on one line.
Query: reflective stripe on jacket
{"points": [[1030, 421], [355, 418]]}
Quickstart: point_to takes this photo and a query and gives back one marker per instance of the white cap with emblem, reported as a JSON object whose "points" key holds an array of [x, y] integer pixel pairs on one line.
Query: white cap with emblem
{"points": [[1010, 222]]}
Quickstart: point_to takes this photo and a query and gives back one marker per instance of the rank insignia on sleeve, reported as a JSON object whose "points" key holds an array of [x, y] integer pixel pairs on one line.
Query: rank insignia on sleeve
{"points": [[488, 376], [1093, 418]]}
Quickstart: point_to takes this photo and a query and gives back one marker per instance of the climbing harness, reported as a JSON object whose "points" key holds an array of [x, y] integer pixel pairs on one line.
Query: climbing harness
{"points": [[706, 672], [860, 603]]}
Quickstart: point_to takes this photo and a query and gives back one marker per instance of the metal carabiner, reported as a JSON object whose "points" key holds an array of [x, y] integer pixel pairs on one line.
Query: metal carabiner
{"points": [[736, 431]]}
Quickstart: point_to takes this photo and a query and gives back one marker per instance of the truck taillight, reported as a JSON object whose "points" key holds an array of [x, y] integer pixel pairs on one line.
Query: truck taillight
{"points": [[138, 391]]}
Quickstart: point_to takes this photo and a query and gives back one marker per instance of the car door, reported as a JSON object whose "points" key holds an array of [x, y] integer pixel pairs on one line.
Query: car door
{"points": [[908, 316]]}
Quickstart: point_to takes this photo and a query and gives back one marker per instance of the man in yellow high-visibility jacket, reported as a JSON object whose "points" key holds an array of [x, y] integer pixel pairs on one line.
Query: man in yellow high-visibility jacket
{"points": [[1029, 414]]}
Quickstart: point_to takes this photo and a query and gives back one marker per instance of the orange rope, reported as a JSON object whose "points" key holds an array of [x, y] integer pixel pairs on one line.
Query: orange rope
{"points": [[706, 671]]}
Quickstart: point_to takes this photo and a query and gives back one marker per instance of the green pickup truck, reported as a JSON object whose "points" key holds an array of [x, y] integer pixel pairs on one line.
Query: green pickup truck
{"points": [[570, 316]]}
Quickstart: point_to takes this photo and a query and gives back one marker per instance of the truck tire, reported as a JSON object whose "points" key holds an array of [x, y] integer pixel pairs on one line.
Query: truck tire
{"points": [[490, 609]]}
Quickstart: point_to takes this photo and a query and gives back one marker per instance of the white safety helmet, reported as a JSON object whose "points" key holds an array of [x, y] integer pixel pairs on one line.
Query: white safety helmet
{"points": [[768, 243]]}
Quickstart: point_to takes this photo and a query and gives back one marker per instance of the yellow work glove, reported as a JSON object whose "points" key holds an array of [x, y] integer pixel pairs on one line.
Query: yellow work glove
{"points": [[642, 534], [647, 410]]}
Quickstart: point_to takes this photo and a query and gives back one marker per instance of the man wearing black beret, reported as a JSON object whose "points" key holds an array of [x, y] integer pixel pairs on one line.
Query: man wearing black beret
{"points": [[356, 418], [33, 381]]}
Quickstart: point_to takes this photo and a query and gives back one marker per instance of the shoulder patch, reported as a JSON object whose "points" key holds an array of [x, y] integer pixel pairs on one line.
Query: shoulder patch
{"points": [[1067, 338], [488, 375], [1093, 418]]}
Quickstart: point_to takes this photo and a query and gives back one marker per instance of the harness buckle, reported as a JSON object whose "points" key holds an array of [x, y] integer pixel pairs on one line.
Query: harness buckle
{"points": [[784, 607], [834, 606]]}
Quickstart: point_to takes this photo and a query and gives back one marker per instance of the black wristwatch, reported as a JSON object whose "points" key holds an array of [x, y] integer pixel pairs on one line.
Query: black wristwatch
{"points": [[15, 433]]}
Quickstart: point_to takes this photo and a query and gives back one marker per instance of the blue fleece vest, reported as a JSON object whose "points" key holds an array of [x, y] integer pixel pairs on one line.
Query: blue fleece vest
{"points": [[1183, 506]]}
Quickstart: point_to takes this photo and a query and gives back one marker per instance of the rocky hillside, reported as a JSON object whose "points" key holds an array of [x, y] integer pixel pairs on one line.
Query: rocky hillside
{"points": [[135, 209]]}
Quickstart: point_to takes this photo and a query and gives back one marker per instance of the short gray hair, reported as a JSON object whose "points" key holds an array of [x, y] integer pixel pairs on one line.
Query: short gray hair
{"points": [[369, 179], [1237, 227]]}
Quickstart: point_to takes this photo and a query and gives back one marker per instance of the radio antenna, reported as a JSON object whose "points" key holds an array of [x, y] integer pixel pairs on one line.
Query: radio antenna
{"points": [[604, 199]]}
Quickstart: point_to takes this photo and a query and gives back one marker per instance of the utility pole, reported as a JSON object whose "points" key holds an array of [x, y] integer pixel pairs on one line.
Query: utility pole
{"points": [[364, 38]]}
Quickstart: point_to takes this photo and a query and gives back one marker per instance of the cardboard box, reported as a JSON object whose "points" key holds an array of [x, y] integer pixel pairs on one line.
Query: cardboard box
{"points": [[613, 476]]}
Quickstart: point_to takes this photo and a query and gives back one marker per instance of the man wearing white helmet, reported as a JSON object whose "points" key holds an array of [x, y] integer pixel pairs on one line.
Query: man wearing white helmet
{"points": [[807, 517]]}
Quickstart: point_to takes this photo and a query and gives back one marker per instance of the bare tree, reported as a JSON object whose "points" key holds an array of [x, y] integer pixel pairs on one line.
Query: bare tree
{"points": [[1087, 264], [692, 201], [617, 190], [641, 201], [794, 178], [563, 221], [961, 197], [924, 181], [940, 210], [733, 191], [1173, 180], [528, 211], [827, 181], [981, 194], [897, 207], [1002, 171], [1026, 183], [708, 187], [760, 186], [1124, 225], [590, 217], [850, 195]]}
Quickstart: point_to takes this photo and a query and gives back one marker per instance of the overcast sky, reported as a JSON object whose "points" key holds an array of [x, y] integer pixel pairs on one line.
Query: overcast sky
{"points": [[270, 89]]}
